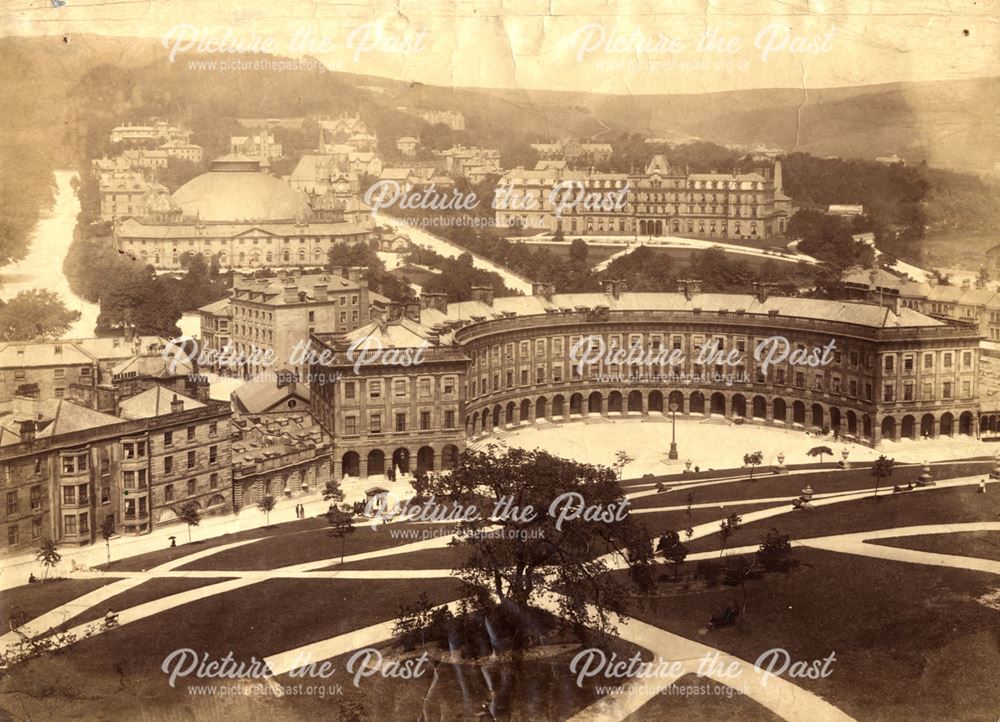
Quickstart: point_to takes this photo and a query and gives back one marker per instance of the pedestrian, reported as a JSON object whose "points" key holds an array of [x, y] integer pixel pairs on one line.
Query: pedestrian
{"points": [[982, 486]]}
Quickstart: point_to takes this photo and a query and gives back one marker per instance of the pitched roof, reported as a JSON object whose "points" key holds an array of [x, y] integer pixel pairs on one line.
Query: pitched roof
{"points": [[155, 402], [263, 393]]}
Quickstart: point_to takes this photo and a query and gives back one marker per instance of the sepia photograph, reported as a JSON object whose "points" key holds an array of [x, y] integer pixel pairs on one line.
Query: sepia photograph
{"points": [[512, 360]]}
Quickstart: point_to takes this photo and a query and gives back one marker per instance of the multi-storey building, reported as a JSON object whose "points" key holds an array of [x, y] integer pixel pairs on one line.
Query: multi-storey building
{"points": [[278, 315], [124, 194], [892, 372], [661, 201], [182, 150], [157, 131], [66, 468], [258, 145], [49, 369], [241, 217]]}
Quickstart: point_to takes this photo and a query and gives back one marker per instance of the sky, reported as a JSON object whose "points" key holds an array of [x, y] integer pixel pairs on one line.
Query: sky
{"points": [[633, 46]]}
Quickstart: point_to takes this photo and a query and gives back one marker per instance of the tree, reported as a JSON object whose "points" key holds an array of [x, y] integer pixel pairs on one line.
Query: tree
{"points": [[190, 514], [420, 482], [540, 544], [727, 528], [341, 524], [820, 451], [35, 315], [622, 459], [672, 549], [333, 492], [108, 531], [266, 505], [881, 469], [752, 460], [775, 550], [48, 554], [578, 251]]}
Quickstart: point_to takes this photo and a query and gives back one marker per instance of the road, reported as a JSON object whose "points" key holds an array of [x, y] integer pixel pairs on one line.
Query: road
{"points": [[42, 268]]}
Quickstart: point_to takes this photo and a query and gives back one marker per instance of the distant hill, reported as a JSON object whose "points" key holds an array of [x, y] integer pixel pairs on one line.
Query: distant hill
{"points": [[950, 124], [947, 123]]}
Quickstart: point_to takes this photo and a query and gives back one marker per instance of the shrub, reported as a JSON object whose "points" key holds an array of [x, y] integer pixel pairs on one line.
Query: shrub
{"points": [[708, 570]]}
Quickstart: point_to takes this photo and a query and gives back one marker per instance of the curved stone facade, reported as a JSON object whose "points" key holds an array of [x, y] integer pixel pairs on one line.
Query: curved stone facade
{"points": [[885, 373]]}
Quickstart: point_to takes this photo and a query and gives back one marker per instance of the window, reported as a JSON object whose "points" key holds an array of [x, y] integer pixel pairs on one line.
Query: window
{"points": [[11, 503], [557, 373], [908, 391], [401, 422], [424, 388], [213, 454], [36, 528], [540, 375], [449, 419], [509, 379], [351, 425], [213, 480], [348, 389], [946, 360], [524, 377], [213, 428], [374, 389], [375, 424], [425, 420], [190, 459], [168, 438], [399, 387], [887, 393], [69, 495], [168, 492], [36, 498], [168, 465], [190, 433], [12, 536], [928, 360], [449, 384], [946, 390], [128, 479], [105, 494], [800, 379], [190, 487], [908, 363], [967, 359], [890, 363], [69, 524], [966, 389], [84, 523]]}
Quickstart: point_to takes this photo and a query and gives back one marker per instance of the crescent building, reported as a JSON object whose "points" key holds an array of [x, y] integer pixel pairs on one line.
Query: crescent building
{"points": [[861, 371]]}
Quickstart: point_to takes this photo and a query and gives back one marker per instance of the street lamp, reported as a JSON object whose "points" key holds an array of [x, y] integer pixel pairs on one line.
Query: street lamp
{"points": [[673, 432]]}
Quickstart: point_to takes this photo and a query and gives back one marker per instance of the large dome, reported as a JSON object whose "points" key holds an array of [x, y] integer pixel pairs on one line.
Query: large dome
{"points": [[235, 190]]}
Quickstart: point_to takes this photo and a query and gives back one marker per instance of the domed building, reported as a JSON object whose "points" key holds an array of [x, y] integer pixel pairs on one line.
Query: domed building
{"points": [[235, 189], [240, 215]]}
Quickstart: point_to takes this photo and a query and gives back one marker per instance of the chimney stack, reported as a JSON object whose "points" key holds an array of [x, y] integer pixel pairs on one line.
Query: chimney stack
{"points": [[25, 407], [396, 311], [176, 405], [319, 291], [762, 290], [291, 292], [544, 289], [688, 287], [483, 294], [614, 287], [27, 431], [412, 309], [436, 301]]}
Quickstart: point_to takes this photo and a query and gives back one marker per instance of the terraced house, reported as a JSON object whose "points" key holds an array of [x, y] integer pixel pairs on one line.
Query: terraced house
{"points": [[66, 468]]}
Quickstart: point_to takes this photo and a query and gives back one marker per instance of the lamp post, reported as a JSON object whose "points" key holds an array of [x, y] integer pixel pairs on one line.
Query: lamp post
{"points": [[673, 456]]}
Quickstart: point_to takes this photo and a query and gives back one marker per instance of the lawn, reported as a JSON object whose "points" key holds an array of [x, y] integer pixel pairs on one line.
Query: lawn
{"points": [[767, 485], [982, 544], [696, 699], [307, 546], [145, 592], [33, 600], [933, 506], [911, 641], [117, 674], [142, 562]]}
